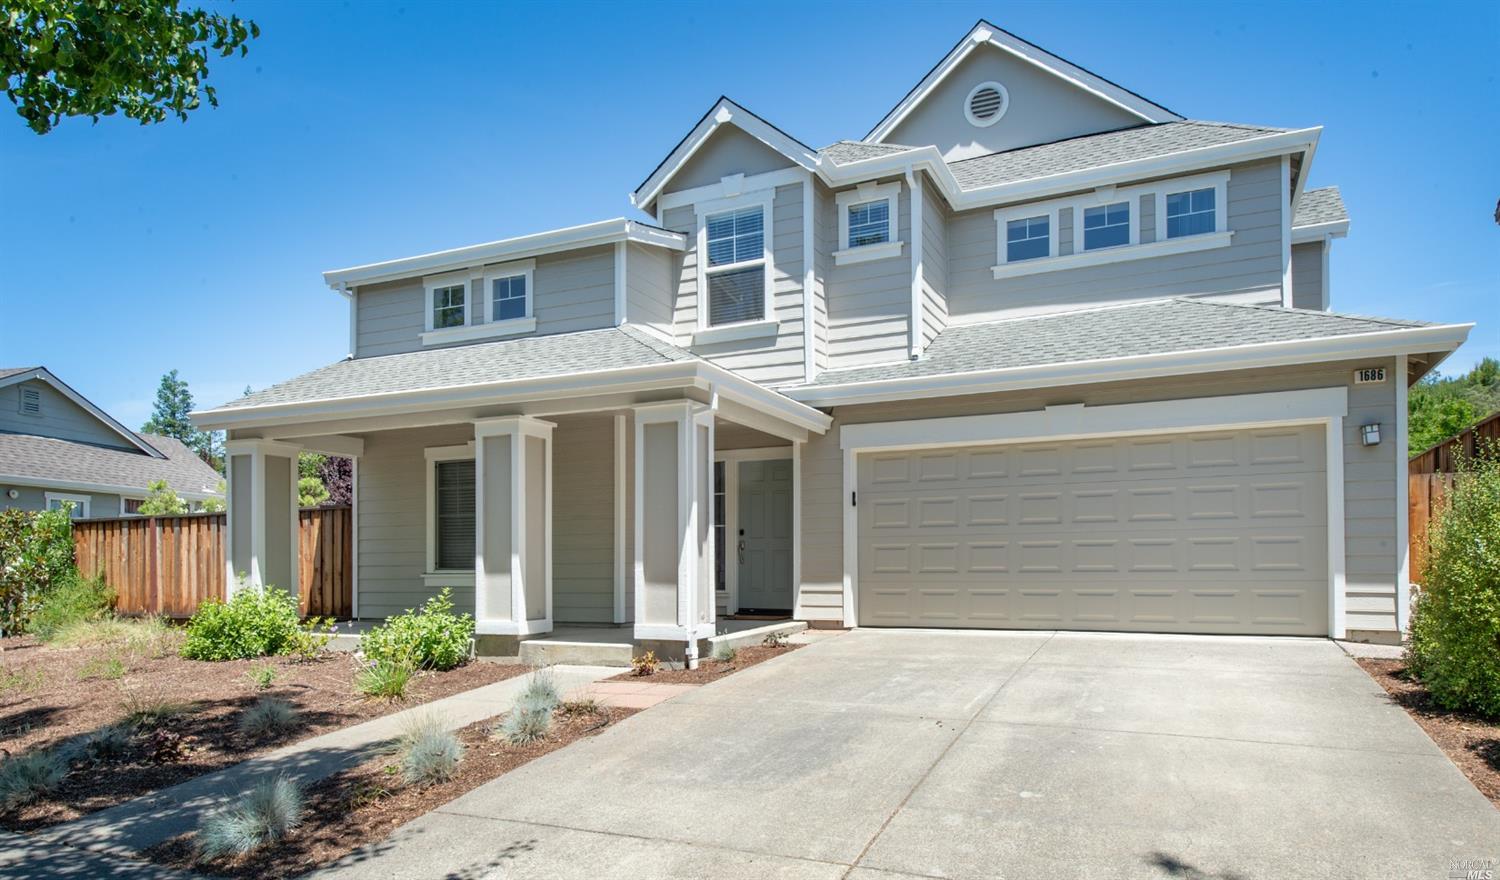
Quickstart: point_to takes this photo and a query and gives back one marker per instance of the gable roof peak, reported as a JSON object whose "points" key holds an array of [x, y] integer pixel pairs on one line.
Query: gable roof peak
{"points": [[985, 33], [42, 374]]}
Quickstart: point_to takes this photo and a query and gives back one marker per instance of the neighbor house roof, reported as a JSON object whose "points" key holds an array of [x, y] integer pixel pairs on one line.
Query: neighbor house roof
{"points": [[50, 462], [1158, 329], [16, 375], [1100, 150]]}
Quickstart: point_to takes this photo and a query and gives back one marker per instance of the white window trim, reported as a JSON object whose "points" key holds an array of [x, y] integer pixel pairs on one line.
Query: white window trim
{"points": [[1222, 236], [433, 576], [765, 199], [869, 192], [1218, 182], [525, 268], [430, 285], [1003, 216], [124, 498], [477, 323], [82, 502]]}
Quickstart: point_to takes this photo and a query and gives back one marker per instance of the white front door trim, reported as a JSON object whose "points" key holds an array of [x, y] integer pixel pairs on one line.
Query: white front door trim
{"points": [[1326, 406], [731, 458]]}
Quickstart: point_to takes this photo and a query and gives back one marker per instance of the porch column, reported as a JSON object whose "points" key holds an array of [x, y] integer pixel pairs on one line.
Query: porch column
{"points": [[513, 523], [261, 483], [674, 562]]}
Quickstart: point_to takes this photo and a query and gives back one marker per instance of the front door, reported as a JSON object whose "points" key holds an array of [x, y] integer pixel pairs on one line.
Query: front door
{"points": [[764, 543]]}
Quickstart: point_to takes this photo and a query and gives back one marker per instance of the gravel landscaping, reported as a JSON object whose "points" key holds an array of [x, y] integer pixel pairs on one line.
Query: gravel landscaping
{"points": [[1470, 741], [172, 718]]}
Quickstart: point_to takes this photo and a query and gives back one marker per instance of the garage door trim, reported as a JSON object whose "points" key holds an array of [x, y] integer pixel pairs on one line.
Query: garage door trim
{"points": [[1325, 406]]}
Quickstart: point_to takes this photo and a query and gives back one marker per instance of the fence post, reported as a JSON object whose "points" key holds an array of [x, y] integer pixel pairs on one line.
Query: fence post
{"points": [[155, 550]]}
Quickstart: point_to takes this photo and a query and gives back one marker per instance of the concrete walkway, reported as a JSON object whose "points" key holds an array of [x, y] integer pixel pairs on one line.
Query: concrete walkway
{"points": [[145, 821], [884, 754]]}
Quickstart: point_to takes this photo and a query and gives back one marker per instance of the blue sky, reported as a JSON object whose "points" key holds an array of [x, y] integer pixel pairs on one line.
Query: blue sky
{"points": [[356, 132]]}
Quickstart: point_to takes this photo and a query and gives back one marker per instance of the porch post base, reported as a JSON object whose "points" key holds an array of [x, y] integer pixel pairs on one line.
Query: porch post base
{"points": [[671, 650]]}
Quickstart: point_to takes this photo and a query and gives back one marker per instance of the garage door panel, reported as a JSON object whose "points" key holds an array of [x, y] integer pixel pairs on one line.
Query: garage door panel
{"points": [[1211, 532]]}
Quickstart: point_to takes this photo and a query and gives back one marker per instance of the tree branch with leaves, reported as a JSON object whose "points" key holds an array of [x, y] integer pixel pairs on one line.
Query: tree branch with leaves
{"points": [[146, 59]]}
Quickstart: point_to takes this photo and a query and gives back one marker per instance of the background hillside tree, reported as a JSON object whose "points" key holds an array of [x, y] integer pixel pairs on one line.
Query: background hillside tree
{"points": [[169, 418], [1441, 406], [145, 59]]}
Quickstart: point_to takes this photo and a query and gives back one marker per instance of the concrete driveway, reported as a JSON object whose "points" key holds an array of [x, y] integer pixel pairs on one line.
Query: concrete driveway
{"points": [[882, 754]]}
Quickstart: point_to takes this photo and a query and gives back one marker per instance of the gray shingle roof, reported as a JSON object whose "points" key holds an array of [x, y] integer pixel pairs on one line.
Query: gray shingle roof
{"points": [[1095, 150], [1156, 327], [534, 357], [1324, 205], [6, 372], [48, 458], [844, 152]]}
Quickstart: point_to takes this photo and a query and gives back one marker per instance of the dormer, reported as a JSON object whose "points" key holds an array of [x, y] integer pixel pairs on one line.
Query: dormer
{"points": [[994, 92]]}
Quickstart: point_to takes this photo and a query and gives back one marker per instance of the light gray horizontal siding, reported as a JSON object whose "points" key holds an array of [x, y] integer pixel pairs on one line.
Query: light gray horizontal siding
{"points": [[60, 417], [869, 304], [648, 287], [727, 151], [35, 498], [1307, 276], [772, 361], [1369, 477], [1249, 268], [934, 264], [573, 291], [583, 539]]}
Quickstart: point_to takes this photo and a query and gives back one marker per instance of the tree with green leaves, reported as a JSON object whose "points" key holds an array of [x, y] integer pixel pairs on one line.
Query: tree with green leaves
{"points": [[1440, 407], [169, 418], [146, 59], [161, 500], [215, 505]]}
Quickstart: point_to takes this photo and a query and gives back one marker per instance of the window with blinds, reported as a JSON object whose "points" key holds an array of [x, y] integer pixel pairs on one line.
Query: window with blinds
{"points": [[735, 270], [454, 527]]}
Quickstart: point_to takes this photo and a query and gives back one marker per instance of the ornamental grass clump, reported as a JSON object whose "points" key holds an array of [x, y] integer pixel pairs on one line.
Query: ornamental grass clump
{"points": [[27, 777], [268, 717], [428, 753], [262, 816], [386, 679], [1455, 626]]}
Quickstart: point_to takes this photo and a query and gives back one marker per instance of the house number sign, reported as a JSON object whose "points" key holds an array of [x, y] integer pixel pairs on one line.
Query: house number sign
{"points": [[1369, 374]]}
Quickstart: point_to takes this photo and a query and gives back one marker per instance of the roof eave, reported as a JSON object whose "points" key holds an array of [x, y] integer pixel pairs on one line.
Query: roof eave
{"points": [[521, 247], [1320, 231], [1444, 337], [647, 377]]}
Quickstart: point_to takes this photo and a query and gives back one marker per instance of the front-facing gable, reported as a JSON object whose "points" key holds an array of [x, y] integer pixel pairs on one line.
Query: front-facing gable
{"points": [[35, 402], [991, 74]]}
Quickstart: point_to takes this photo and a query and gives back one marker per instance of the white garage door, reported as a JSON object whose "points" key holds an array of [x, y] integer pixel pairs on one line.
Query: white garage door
{"points": [[1209, 533]]}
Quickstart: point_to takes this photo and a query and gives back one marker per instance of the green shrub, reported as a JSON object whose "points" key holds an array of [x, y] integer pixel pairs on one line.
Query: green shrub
{"points": [[725, 654], [262, 816], [255, 622], [384, 678], [433, 638], [263, 676], [26, 777], [1455, 626], [269, 716], [36, 555], [73, 600]]}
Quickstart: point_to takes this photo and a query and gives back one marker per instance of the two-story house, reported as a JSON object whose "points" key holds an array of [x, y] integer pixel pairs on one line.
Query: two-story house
{"points": [[1035, 352]]}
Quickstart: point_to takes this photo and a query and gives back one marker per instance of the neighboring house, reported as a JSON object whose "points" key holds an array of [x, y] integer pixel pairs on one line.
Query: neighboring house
{"points": [[1035, 352], [57, 448]]}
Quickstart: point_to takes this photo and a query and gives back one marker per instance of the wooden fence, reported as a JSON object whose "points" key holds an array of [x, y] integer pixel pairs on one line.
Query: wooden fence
{"points": [[1424, 493], [1442, 458], [169, 564]]}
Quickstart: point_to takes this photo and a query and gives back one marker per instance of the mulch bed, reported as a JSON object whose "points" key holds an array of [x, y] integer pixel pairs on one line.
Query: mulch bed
{"points": [[365, 804], [1470, 741], [710, 670], [49, 695]]}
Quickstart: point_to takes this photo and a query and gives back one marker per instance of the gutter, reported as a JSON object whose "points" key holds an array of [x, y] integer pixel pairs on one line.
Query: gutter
{"points": [[1444, 337]]}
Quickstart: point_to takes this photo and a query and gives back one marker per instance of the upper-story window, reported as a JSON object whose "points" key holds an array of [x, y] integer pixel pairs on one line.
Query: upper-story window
{"points": [[1112, 224], [1028, 238], [509, 288], [478, 303], [1191, 213], [735, 257], [868, 223], [1106, 226]]}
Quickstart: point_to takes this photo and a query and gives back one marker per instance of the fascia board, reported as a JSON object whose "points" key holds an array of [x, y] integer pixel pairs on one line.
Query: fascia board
{"points": [[1383, 344]]}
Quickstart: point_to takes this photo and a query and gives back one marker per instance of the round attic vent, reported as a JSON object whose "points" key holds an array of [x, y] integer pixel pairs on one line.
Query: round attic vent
{"points": [[987, 102]]}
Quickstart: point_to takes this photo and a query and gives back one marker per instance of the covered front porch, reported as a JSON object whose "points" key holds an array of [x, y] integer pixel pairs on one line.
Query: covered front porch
{"points": [[655, 518]]}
